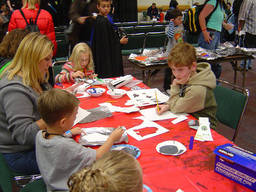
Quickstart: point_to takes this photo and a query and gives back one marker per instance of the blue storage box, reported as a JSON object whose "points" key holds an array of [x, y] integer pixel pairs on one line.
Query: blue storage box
{"points": [[236, 164]]}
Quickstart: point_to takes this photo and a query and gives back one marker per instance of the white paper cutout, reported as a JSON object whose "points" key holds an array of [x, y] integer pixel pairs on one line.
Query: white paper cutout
{"points": [[179, 119], [204, 132], [145, 97], [152, 115], [81, 113], [113, 108], [146, 123]]}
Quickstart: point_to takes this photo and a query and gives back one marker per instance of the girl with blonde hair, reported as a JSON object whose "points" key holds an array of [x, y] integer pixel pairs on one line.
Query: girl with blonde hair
{"points": [[116, 171], [21, 84], [80, 65]]}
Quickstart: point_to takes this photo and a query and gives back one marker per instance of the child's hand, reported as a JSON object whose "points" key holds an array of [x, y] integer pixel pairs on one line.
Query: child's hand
{"points": [[77, 74], [124, 40], [116, 134], [81, 20], [162, 109], [76, 131], [92, 76]]}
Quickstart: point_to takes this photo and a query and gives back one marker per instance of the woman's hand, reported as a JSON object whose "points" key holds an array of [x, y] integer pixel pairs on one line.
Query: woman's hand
{"points": [[77, 74], [207, 36], [162, 108], [228, 26], [124, 40]]}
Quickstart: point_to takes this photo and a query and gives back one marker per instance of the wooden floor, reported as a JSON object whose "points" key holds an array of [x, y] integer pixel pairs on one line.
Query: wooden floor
{"points": [[247, 134]]}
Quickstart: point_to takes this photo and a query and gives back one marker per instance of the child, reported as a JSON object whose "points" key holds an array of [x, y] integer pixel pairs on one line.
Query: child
{"points": [[192, 88], [175, 35], [59, 156], [106, 46], [80, 65], [116, 171], [161, 15]]}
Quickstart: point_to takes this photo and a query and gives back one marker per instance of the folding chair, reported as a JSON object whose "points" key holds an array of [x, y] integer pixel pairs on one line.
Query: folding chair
{"points": [[57, 67], [143, 28], [155, 40], [8, 178], [231, 104], [134, 45], [35, 186], [128, 30]]}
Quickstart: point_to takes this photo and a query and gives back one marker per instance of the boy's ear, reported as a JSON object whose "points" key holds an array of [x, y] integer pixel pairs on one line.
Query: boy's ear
{"points": [[193, 67], [62, 122]]}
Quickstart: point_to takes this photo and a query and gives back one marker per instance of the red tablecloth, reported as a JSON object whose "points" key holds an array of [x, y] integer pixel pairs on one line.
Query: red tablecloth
{"points": [[192, 171]]}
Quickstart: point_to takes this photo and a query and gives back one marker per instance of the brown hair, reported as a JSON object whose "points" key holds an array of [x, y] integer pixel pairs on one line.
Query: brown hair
{"points": [[182, 54], [99, 1], [11, 42], [175, 13], [55, 104], [116, 171]]}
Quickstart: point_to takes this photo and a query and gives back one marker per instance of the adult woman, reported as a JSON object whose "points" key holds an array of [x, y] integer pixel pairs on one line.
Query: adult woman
{"points": [[210, 35], [20, 85], [44, 22]]}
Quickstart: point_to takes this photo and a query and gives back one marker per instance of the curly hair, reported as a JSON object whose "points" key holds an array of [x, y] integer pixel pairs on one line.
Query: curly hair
{"points": [[116, 171], [11, 42]]}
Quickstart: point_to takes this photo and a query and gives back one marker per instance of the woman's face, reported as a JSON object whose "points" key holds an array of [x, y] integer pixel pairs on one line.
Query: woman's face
{"points": [[84, 59], [45, 63]]}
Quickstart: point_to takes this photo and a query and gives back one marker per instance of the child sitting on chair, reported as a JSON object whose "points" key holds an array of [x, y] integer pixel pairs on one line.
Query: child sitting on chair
{"points": [[192, 88], [80, 65], [58, 155], [116, 171]]}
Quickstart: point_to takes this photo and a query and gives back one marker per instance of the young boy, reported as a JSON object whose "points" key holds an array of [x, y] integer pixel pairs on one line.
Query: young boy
{"points": [[175, 35], [58, 155], [106, 46], [192, 88]]}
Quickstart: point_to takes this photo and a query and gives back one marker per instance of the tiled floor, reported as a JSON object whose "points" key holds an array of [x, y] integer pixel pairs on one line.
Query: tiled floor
{"points": [[247, 134]]}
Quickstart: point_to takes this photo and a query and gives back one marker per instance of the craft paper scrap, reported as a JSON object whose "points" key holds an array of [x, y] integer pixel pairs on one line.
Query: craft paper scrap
{"points": [[179, 119], [145, 97], [152, 115], [138, 132], [97, 114], [81, 113], [113, 108], [204, 132], [82, 95]]}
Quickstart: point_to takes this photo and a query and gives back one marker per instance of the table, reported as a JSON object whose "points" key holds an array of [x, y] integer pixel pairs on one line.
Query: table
{"points": [[192, 171], [234, 61]]}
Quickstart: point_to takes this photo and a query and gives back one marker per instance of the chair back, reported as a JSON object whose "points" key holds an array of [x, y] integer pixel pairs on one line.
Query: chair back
{"points": [[57, 67], [155, 40], [6, 176], [134, 45], [35, 186], [231, 103]]}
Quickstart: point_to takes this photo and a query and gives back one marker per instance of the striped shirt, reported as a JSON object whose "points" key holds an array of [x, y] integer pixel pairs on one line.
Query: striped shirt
{"points": [[247, 13]]}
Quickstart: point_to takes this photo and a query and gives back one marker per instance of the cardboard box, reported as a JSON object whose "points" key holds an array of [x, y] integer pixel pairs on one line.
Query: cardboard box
{"points": [[236, 164]]}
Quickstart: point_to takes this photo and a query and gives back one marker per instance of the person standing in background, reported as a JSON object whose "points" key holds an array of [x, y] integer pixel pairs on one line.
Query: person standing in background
{"points": [[247, 22], [14, 4]]}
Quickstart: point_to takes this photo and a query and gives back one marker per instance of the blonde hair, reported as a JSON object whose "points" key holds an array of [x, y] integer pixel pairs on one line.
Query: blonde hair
{"points": [[30, 4], [116, 171], [182, 54], [55, 104], [76, 53], [33, 48]]}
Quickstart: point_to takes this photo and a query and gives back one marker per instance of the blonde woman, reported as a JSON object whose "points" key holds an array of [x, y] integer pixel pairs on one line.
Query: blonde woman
{"points": [[44, 22], [21, 84], [80, 65], [116, 171]]}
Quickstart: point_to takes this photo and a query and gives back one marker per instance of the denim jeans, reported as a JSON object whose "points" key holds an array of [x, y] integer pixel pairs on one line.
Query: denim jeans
{"points": [[22, 162], [216, 68]]}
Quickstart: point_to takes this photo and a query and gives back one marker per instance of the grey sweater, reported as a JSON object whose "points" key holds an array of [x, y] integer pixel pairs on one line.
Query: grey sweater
{"points": [[59, 157], [18, 116]]}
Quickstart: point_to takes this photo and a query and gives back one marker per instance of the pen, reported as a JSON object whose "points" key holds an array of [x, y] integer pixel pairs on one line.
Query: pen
{"points": [[99, 79], [157, 102]]}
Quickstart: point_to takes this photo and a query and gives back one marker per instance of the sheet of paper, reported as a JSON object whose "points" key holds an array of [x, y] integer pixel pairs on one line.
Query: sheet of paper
{"points": [[82, 113], [113, 108], [145, 97], [136, 133], [152, 115]]}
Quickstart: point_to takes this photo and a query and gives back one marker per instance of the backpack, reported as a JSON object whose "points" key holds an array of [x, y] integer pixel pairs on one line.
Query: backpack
{"points": [[236, 6], [191, 18], [31, 26]]}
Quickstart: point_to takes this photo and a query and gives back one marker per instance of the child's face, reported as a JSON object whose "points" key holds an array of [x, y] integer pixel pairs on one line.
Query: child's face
{"points": [[84, 59], [69, 120], [104, 8], [182, 73], [177, 20]]}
